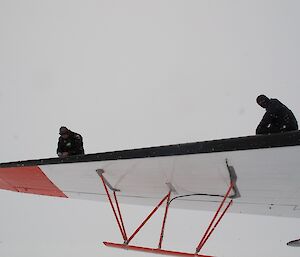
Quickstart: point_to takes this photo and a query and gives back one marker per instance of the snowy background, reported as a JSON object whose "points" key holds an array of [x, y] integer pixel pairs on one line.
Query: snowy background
{"points": [[138, 73]]}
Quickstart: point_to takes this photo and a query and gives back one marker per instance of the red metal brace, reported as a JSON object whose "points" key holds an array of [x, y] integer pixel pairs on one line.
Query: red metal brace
{"points": [[120, 224], [158, 250], [164, 222], [210, 230]]}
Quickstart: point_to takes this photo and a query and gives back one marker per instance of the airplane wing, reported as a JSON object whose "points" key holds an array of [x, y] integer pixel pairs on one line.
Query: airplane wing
{"points": [[265, 171]]}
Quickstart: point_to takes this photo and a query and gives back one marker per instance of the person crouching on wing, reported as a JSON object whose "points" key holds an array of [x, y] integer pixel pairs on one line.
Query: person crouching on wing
{"points": [[69, 143], [277, 119]]}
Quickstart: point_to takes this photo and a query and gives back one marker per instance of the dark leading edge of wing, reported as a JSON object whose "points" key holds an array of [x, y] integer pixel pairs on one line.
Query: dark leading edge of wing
{"points": [[221, 145]]}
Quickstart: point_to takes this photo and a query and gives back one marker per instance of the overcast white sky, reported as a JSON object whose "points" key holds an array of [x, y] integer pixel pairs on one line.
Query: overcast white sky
{"points": [[137, 73]]}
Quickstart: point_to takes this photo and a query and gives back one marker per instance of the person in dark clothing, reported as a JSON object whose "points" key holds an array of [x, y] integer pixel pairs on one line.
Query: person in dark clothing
{"points": [[69, 143], [277, 119]]}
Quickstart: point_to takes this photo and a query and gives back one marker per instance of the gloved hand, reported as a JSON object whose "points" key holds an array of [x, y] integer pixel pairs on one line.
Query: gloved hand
{"points": [[63, 154]]}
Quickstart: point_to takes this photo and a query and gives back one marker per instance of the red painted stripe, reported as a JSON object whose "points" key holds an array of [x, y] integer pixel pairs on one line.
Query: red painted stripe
{"points": [[28, 180]]}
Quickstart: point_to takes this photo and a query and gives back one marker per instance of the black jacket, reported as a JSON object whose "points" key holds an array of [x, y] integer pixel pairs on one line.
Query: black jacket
{"points": [[73, 145], [278, 118]]}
